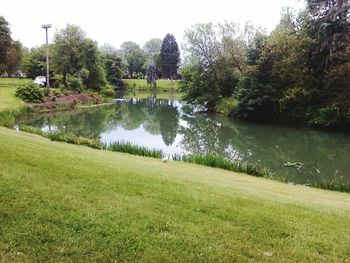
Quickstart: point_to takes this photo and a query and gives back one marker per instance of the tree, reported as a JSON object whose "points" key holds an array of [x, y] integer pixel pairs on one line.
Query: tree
{"points": [[34, 62], [10, 51], [135, 58], [76, 55], [217, 54], [151, 75], [113, 67], [5, 43], [93, 64], [152, 47], [169, 56], [14, 58], [69, 50], [329, 26]]}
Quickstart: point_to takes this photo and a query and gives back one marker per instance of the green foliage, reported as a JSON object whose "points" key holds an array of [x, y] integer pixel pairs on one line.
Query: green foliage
{"points": [[46, 92], [220, 162], [75, 83], [151, 75], [10, 51], [56, 93], [256, 100], [135, 57], [152, 47], [74, 54], [73, 139], [113, 67], [30, 93], [297, 74], [226, 106], [198, 88], [108, 91], [34, 63], [63, 137], [127, 147], [96, 76], [169, 57], [216, 55]]}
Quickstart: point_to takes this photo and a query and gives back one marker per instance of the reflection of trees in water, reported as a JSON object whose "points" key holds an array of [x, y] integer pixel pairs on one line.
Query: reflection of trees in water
{"points": [[325, 155], [168, 117], [156, 117], [86, 122]]}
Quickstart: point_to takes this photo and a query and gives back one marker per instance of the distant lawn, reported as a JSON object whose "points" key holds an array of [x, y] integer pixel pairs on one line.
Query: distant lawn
{"points": [[159, 95], [7, 93], [66, 203], [164, 85]]}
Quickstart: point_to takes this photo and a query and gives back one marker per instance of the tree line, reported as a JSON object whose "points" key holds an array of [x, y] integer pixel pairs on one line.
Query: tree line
{"points": [[299, 73], [78, 63]]}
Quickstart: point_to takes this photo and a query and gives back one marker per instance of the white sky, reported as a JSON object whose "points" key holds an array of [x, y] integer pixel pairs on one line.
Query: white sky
{"points": [[114, 22]]}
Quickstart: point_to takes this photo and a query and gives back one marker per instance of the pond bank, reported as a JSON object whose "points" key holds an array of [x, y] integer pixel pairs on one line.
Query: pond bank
{"points": [[168, 211]]}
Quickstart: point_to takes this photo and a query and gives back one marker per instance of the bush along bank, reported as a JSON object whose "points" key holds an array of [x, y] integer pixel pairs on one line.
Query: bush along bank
{"points": [[210, 160]]}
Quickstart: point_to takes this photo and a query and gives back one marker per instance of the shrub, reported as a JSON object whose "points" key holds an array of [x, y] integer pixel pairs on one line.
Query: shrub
{"points": [[56, 93], [75, 83], [46, 92], [30, 93], [108, 92], [58, 81]]}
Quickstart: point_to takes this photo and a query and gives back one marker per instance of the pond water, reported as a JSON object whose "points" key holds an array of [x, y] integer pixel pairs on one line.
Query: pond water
{"points": [[175, 127]]}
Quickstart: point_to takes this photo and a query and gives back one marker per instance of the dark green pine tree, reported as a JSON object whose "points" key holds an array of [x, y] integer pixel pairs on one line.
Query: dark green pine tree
{"points": [[169, 56]]}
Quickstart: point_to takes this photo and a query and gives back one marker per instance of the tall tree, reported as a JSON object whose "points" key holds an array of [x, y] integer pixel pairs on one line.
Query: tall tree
{"points": [[5, 42], [74, 54], [330, 27], [10, 51], [34, 62], [69, 50], [113, 65], [169, 56], [135, 57]]}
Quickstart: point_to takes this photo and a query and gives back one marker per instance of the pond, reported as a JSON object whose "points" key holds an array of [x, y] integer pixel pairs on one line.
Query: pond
{"points": [[176, 127]]}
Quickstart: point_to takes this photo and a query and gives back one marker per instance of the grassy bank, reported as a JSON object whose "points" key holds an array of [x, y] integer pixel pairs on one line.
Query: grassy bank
{"points": [[164, 85], [10, 105], [8, 100], [138, 88], [62, 202]]}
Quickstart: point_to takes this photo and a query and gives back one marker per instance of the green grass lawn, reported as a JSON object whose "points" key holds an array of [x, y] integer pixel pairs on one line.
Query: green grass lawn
{"points": [[142, 84], [61, 202], [159, 94], [7, 93]]}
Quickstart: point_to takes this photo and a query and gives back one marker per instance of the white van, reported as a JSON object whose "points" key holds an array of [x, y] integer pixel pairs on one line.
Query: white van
{"points": [[40, 80]]}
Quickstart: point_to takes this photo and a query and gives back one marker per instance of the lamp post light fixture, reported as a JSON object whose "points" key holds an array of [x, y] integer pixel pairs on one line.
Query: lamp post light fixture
{"points": [[46, 27]]}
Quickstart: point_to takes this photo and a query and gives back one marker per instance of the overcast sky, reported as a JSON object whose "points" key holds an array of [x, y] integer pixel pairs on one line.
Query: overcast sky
{"points": [[113, 21]]}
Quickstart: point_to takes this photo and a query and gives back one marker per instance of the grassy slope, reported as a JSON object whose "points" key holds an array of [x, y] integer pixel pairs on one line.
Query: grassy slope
{"points": [[142, 83], [61, 202], [7, 93]]}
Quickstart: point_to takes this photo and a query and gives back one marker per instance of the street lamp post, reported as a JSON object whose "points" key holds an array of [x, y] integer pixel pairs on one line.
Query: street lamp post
{"points": [[46, 27]]}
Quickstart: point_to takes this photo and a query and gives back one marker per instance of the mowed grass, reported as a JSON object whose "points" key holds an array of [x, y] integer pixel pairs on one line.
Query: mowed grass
{"points": [[164, 85], [161, 95], [8, 100], [61, 202]]}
